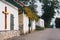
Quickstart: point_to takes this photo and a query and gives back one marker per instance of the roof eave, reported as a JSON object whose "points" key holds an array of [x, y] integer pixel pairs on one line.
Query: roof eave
{"points": [[9, 4]]}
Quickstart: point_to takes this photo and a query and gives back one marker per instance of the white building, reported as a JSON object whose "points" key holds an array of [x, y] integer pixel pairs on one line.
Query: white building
{"points": [[12, 17], [24, 24], [40, 23]]}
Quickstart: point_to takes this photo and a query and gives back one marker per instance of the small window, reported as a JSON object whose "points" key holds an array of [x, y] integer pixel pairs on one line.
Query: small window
{"points": [[11, 22]]}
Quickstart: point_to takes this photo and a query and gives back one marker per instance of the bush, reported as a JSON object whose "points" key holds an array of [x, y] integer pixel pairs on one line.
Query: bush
{"points": [[39, 28], [57, 22]]}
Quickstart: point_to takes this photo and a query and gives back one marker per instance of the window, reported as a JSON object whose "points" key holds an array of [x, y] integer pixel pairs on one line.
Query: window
{"points": [[11, 22]]}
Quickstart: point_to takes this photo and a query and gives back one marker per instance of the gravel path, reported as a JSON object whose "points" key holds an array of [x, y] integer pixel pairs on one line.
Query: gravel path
{"points": [[47, 34]]}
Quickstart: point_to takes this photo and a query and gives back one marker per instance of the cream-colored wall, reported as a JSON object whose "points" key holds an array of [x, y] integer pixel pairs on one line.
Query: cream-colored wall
{"points": [[25, 23], [20, 20], [11, 10]]}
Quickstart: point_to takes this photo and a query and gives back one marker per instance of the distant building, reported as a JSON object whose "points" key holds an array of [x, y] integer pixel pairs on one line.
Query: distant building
{"points": [[40, 23]]}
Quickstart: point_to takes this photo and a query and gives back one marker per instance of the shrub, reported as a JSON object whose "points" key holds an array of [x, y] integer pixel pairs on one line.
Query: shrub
{"points": [[39, 28]]}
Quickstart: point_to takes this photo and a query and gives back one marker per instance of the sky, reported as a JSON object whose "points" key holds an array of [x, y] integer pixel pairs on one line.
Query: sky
{"points": [[39, 8]]}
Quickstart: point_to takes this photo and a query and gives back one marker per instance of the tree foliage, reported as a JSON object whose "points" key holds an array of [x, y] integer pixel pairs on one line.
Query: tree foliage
{"points": [[30, 14], [49, 12], [30, 11]]}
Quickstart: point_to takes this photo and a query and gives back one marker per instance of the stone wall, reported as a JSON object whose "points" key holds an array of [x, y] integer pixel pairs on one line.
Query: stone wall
{"points": [[8, 34]]}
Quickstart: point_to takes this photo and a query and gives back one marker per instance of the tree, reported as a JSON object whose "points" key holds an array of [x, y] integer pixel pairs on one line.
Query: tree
{"points": [[31, 4], [31, 13], [28, 10], [49, 11]]}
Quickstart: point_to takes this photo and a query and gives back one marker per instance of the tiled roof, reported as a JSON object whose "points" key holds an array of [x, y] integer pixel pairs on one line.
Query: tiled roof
{"points": [[15, 4]]}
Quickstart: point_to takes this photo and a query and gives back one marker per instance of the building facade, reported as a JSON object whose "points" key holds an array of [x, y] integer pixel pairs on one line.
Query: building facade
{"points": [[11, 21]]}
